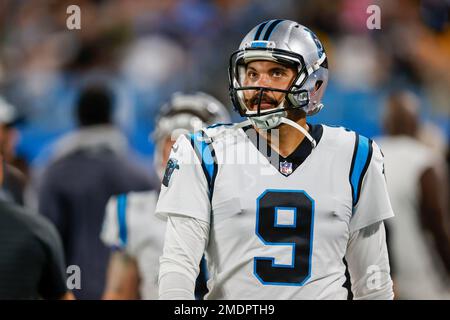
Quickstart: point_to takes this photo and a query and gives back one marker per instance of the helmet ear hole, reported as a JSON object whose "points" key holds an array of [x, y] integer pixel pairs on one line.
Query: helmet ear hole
{"points": [[318, 85], [324, 64]]}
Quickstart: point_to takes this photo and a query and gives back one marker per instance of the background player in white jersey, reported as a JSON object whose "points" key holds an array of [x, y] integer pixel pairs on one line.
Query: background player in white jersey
{"points": [[130, 225], [276, 222], [419, 235]]}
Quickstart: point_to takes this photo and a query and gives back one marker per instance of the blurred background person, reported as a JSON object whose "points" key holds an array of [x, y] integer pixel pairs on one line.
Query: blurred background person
{"points": [[130, 225], [14, 180], [87, 168], [31, 255], [419, 234]]}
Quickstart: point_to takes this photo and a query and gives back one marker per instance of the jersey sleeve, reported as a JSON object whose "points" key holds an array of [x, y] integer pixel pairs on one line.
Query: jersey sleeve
{"points": [[114, 230], [185, 188], [371, 202], [368, 264], [185, 241]]}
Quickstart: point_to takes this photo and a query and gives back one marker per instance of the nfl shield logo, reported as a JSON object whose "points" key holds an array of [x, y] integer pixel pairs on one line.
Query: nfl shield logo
{"points": [[286, 168]]}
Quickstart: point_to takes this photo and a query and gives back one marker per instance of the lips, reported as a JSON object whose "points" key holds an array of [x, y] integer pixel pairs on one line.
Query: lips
{"points": [[264, 105]]}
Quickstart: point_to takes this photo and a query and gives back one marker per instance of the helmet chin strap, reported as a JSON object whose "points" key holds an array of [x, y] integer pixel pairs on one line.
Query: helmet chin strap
{"points": [[281, 119], [301, 129], [274, 120], [262, 124]]}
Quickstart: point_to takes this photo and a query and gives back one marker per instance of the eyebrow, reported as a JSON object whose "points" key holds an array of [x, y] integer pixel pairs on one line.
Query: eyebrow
{"points": [[271, 69], [279, 68]]}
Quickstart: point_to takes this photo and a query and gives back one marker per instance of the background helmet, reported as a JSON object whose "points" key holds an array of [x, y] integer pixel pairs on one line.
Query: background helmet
{"points": [[189, 112], [185, 113], [289, 43]]}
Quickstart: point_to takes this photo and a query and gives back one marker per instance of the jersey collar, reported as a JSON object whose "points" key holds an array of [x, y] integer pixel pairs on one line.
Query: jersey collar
{"points": [[286, 165]]}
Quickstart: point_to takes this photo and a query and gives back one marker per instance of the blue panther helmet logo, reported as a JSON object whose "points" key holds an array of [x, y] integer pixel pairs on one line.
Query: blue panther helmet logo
{"points": [[172, 164]]}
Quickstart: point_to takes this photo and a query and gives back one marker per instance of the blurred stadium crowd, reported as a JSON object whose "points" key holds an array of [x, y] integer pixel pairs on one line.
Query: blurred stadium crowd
{"points": [[144, 50]]}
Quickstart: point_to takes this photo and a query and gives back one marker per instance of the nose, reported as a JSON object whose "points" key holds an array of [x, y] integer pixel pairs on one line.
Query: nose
{"points": [[263, 80]]}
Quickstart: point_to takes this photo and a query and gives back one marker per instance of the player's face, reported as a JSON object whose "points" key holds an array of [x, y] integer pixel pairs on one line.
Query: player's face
{"points": [[266, 74]]}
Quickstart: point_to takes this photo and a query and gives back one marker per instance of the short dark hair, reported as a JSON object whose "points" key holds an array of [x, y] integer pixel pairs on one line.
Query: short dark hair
{"points": [[94, 106]]}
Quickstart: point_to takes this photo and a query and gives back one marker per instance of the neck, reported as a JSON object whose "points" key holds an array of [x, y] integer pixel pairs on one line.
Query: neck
{"points": [[285, 138]]}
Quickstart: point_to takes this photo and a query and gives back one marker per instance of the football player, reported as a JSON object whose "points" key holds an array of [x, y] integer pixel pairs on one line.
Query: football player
{"points": [[276, 203], [420, 240], [130, 225]]}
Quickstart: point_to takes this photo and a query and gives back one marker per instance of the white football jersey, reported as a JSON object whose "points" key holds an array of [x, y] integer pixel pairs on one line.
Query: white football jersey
{"points": [[419, 273], [279, 227], [131, 225]]}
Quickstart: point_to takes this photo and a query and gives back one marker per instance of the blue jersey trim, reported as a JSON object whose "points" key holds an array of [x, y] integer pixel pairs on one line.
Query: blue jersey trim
{"points": [[362, 155], [206, 155], [122, 218], [219, 124]]}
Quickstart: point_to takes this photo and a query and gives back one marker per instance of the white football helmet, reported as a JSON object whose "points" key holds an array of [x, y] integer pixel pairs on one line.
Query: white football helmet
{"points": [[186, 113], [289, 43]]}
